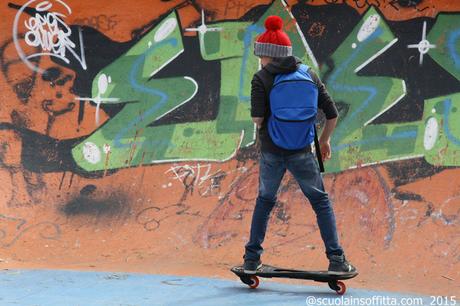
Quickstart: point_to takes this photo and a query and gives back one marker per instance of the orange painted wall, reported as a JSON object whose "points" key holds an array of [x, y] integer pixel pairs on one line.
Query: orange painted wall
{"points": [[398, 221]]}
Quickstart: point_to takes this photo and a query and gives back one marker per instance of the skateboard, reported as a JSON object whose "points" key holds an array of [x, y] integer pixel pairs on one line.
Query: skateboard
{"points": [[266, 271]]}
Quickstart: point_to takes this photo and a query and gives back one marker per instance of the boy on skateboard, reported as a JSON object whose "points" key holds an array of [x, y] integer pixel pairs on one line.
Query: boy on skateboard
{"points": [[285, 95]]}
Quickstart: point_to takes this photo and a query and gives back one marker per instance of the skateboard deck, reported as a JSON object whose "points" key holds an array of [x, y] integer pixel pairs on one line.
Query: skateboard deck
{"points": [[268, 271]]}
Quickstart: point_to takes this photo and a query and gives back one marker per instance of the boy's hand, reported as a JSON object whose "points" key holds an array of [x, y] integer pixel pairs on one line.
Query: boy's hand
{"points": [[324, 140], [325, 147]]}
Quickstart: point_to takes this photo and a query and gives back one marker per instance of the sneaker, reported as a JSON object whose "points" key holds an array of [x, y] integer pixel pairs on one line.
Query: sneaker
{"points": [[251, 266], [338, 264]]}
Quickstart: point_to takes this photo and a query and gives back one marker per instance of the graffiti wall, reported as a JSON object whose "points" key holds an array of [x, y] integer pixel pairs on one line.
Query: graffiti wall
{"points": [[126, 136]]}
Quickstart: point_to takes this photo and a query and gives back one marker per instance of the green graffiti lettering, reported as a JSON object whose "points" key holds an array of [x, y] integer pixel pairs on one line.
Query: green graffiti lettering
{"points": [[357, 141], [128, 140]]}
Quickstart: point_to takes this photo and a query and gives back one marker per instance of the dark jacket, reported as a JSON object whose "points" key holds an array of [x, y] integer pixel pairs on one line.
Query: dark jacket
{"points": [[260, 105]]}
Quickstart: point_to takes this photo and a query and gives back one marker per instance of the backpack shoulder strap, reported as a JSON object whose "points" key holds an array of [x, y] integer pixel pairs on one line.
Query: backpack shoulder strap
{"points": [[304, 69]]}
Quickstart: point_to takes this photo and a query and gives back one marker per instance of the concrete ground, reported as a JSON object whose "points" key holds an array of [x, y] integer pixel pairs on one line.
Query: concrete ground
{"points": [[63, 287]]}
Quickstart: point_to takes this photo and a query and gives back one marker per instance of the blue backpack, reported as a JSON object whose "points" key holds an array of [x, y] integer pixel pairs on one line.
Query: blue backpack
{"points": [[293, 105]]}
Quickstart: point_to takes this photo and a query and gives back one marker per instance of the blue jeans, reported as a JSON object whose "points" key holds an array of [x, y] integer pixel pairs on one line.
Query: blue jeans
{"points": [[304, 167]]}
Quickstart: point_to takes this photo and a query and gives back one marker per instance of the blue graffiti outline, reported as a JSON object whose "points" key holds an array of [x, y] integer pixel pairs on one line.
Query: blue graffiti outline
{"points": [[139, 87], [372, 93], [453, 38], [247, 42], [450, 136], [346, 88]]}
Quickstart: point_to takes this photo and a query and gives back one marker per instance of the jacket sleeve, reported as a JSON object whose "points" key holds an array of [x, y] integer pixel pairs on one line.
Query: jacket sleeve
{"points": [[258, 105], [325, 102]]}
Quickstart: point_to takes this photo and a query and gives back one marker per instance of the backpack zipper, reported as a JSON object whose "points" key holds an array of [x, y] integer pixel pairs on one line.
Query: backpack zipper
{"points": [[289, 81], [286, 120]]}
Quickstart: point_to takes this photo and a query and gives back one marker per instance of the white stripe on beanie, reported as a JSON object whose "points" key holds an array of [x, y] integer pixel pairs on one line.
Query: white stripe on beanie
{"points": [[271, 50]]}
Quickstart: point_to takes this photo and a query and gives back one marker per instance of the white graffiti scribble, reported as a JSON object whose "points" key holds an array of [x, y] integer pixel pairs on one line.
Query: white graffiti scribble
{"points": [[199, 173], [199, 176], [48, 31], [207, 182]]}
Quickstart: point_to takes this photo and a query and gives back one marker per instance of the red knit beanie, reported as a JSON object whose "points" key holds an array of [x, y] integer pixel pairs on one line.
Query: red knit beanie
{"points": [[273, 42]]}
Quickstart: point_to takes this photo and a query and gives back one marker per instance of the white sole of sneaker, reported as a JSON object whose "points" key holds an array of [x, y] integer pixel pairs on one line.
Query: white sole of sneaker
{"points": [[252, 272], [339, 273]]}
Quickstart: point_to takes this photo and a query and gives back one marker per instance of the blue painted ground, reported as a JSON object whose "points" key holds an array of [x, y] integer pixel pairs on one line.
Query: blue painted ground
{"points": [[52, 287]]}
